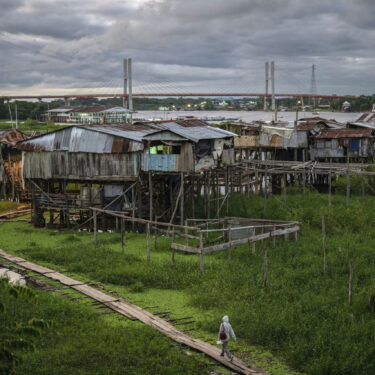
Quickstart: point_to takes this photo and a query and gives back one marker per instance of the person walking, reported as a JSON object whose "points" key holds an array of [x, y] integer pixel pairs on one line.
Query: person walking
{"points": [[225, 332]]}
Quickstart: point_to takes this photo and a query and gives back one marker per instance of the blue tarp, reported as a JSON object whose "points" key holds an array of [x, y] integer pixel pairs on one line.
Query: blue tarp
{"points": [[354, 144]]}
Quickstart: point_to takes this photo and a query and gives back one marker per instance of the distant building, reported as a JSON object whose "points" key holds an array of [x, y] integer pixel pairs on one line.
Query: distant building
{"points": [[346, 106], [88, 115]]}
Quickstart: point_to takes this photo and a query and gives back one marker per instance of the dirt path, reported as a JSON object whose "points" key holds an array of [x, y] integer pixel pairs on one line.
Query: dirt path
{"points": [[134, 312]]}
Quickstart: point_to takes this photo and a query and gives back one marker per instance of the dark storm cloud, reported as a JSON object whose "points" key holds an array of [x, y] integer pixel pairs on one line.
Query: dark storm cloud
{"points": [[196, 43]]}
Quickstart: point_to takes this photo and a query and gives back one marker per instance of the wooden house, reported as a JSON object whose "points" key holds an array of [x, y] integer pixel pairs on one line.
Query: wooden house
{"points": [[115, 157], [343, 144], [11, 163]]}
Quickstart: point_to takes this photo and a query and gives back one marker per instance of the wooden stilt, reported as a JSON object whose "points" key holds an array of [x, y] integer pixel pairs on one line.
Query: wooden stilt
{"points": [[123, 235], [201, 260], [95, 229], [148, 242]]}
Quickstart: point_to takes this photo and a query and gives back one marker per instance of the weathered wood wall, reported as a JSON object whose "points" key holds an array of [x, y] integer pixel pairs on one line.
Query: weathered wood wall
{"points": [[80, 165]]}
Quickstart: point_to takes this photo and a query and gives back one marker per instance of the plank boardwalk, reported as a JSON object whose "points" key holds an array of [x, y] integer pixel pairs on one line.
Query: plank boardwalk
{"points": [[134, 312]]}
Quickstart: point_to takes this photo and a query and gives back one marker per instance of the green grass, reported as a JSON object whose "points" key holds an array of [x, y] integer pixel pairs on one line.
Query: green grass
{"points": [[302, 317], [84, 341], [28, 126]]}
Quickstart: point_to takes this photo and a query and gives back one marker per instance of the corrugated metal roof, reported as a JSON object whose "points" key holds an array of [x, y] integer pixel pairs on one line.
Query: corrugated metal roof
{"points": [[100, 138], [345, 133], [197, 131], [367, 117], [361, 124], [10, 137], [115, 110]]}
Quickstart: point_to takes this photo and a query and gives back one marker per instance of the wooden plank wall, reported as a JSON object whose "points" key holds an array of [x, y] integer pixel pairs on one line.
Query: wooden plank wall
{"points": [[62, 164]]}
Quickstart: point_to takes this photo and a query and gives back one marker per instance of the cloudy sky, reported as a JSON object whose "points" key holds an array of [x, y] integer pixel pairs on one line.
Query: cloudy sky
{"points": [[186, 45]]}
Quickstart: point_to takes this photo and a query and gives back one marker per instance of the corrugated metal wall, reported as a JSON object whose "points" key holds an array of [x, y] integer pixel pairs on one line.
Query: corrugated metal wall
{"points": [[60, 164], [184, 162]]}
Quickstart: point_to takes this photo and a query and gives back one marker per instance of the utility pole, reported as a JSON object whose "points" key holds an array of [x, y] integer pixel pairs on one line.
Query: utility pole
{"points": [[273, 84], [267, 79]]}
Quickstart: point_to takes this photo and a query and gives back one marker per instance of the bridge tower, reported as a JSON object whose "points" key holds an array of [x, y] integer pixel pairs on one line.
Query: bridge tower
{"points": [[270, 76], [313, 86]]}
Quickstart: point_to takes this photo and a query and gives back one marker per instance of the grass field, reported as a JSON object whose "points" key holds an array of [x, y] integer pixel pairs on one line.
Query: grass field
{"points": [[302, 318], [30, 126]]}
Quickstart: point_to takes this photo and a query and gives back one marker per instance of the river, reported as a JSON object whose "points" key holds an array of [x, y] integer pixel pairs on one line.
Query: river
{"points": [[246, 116]]}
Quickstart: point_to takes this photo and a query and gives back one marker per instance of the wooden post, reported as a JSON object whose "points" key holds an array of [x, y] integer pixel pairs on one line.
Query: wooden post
{"points": [[230, 242], [123, 235], [324, 244], [193, 197], [33, 203], [330, 189], [351, 272], [150, 192], [116, 218], [201, 260], [133, 207], [284, 188], [173, 236], [227, 190], [265, 190], [156, 234], [340, 254], [148, 242], [95, 229], [186, 232], [265, 268], [347, 187], [256, 182], [182, 200]]}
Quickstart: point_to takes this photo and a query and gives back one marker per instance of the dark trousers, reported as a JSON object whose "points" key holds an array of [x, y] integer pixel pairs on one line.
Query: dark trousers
{"points": [[225, 349]]}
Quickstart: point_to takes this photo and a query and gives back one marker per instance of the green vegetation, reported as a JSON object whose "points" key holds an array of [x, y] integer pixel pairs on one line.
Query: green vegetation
{"points": [[303, 316], [84, 341], [30, 126]]}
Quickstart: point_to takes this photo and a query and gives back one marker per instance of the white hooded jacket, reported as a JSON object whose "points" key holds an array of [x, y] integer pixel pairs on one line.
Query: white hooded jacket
{"points": [[227, 328]]}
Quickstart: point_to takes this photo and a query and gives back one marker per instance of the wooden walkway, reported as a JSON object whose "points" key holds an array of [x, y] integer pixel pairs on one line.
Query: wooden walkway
{"points": [[134, 312]]}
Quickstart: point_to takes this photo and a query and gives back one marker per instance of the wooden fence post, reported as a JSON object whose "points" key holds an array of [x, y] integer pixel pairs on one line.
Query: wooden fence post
{"points": [[265, 268], [186, 232], [173, 236], [330, 189], [123, 235], [324, 244], [148, 242], [201, 260], [351, 272], [95, 229], [230, 242], [347, 187], [265, 195]]}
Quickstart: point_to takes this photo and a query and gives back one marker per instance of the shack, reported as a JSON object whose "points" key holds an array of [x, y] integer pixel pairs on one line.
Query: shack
{"points": [[343, 144], [11, 164], [139, 166]]}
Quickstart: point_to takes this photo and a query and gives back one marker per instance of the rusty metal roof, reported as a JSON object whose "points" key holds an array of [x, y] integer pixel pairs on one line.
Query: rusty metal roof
{"points": [[10, 137], [345, 133], [366, 117], [104, 138]]}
